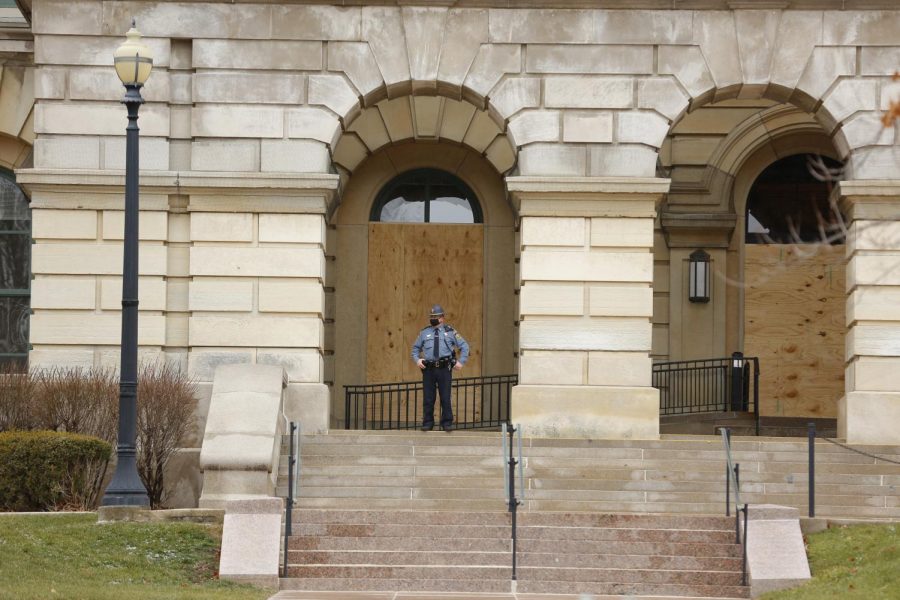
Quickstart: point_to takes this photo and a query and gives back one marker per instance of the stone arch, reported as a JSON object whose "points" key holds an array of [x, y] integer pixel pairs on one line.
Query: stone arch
{"points": [[428, 118], [805, 59], [16, 116], [570, 110]]}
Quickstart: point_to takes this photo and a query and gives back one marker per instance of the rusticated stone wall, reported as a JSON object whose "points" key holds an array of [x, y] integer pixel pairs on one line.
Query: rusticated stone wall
{"points": [[275, 95]]}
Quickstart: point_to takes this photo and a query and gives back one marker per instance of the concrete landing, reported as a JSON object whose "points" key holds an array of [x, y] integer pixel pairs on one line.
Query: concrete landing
{"points": [[298, 595]]}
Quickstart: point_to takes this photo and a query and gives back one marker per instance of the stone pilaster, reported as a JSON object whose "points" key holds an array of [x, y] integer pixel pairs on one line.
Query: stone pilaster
{"points": [[870, 410], [697, 330], [586, 273]]}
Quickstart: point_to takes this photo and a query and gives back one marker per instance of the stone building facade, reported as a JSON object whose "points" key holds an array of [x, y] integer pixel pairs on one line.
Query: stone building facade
{"points": [[604, 144]]}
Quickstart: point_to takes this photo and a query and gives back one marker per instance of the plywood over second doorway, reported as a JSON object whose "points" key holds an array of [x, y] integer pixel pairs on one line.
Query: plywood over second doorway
{"points": [[794, 322], [411, 267]]}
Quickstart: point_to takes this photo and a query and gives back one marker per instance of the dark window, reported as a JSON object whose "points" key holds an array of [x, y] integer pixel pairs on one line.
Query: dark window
{"points": [[15, 271], [426, 196], [787, 205]]}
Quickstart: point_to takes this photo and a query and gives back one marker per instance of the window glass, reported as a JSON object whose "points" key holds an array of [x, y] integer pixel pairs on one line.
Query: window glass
{"points": [[451, 210], [15, 272], [787, 205], [14, 312], [426, 196]]}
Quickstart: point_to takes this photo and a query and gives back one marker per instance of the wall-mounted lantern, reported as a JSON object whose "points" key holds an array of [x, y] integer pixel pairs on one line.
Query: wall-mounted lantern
{"points": [[698, 279]]}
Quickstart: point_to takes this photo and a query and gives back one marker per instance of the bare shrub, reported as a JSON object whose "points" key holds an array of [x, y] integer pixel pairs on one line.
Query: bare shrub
{"points": [[165, 414], [16, 398], [76, 400]]}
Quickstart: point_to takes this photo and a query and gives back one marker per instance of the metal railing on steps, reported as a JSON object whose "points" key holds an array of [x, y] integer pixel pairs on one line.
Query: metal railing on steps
{"points": [[512, 438], [728, 384], [478, 403], [732, 480], [293, 478]]}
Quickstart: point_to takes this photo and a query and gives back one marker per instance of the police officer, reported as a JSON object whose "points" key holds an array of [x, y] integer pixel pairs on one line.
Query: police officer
{"points": [[437, 344]]}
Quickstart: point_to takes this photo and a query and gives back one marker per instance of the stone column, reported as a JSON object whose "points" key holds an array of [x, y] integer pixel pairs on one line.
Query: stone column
{"points": [[586, 299], [869, 413], [257, 289]]}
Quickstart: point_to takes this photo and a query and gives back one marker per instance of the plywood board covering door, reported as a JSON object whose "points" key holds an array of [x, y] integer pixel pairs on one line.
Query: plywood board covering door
{"points": [[794, 309], [412, 266]]}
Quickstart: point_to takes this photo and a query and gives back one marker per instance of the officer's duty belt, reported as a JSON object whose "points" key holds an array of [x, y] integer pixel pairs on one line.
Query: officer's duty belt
{"points": [[439, 364]]}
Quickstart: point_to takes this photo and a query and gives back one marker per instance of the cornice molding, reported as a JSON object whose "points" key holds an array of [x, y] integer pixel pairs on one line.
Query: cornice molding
{"points": [[175, 182]]}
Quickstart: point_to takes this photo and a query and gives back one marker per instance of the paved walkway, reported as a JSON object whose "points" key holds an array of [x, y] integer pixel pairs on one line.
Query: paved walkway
{"points": [[298, 595]]}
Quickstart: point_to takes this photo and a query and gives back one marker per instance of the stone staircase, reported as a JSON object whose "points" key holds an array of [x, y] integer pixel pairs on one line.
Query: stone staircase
{"points": [[426, 512], [560, 553], [677, 474]]}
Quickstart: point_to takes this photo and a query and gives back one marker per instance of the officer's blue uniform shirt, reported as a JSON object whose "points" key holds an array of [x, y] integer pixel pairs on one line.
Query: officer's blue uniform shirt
{"points": [[448, 342]]}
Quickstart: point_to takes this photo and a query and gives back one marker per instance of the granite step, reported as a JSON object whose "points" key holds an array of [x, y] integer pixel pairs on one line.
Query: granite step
{"points": [[442, 551], [434, 531], [416, 544], [502, 558], [400, 517], [467, 573], [464, 573], [677, 474], [397, 585], [525, 586], [633, 548], [401, 504], [469, 557]]}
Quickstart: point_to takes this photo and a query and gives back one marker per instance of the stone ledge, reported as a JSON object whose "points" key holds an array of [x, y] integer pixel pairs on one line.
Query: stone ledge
{"points": [[591, 185], [134, 514], [177, 182]]}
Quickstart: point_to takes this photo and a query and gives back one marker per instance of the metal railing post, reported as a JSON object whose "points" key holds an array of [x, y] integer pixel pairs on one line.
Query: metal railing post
{"points": [[346, 407], [727, 478], [503, 458], [811, 435], [737, 380], [744, 562], [756, 393], [288, 516], [513, 501]]}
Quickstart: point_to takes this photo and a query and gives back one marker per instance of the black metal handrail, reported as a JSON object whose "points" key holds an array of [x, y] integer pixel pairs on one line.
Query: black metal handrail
{"points": [[510, 464], [708, 385], [293, 462], [478, 403], [732, 479]]}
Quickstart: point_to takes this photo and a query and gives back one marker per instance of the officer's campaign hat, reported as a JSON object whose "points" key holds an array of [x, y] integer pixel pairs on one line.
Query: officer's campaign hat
{"points": [[437, 311]]}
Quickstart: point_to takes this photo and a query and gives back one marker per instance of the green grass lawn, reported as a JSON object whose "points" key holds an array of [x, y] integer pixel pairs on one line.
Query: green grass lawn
{"points": [[861, 561], [71, 557]]}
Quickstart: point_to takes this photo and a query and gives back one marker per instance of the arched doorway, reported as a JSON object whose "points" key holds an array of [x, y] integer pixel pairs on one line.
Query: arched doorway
{"points": [[426, 246], [385, 248], [794, 291]]}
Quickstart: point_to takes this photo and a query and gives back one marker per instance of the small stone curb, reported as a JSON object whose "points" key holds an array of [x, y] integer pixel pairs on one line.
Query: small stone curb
{"points": [[132, 514]]}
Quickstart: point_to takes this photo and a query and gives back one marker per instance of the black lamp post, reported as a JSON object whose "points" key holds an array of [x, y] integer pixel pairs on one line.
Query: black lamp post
{"points": [[133, 62]]}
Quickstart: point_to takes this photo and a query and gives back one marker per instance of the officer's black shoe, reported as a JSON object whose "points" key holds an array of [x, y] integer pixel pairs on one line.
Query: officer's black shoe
{"points": [[448, 428], [427, 427]]}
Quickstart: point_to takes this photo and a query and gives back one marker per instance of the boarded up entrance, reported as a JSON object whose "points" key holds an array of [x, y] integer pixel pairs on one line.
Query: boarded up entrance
{"points": [[794, 314], [412, 266]]}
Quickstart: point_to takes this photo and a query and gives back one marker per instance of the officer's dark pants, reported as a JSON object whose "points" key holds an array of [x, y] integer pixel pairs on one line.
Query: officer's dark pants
{"points": [[436, 377]]}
